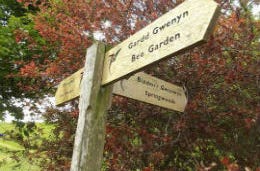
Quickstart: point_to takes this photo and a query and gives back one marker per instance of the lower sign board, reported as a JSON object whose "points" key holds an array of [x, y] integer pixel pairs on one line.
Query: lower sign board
{"points": [[146, 88], [140, 86]]}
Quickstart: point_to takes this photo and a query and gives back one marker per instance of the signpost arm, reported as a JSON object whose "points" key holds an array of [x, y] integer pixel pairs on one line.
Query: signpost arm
{"points": [[93, 106]]}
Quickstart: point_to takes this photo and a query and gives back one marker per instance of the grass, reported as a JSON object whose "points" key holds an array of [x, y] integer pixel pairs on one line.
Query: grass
{"points": [[6, 127], [12, 154], [10, 145], [10, 162], [12, 157]]}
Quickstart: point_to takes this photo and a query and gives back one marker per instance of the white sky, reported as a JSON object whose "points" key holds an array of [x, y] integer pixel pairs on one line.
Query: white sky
{"points": [[256, 11], [29, 115]]}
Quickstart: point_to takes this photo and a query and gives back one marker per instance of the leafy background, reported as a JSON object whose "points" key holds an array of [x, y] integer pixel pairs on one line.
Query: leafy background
{"points": [[44, 41]]}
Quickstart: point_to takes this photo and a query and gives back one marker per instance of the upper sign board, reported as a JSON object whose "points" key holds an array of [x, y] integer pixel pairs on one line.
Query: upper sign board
{"points": [[186, 26]]}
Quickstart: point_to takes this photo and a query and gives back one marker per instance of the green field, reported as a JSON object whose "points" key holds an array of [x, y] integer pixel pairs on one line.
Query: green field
{"points": [[13, 156]]}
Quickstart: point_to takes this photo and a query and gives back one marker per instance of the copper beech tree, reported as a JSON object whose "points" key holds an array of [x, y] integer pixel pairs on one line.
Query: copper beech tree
{"points": [[220, 127]]}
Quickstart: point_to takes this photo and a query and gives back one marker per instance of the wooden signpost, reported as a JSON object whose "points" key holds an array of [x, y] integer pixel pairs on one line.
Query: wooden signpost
{"points": [[140, 86], [182, 28], [93, 105]]}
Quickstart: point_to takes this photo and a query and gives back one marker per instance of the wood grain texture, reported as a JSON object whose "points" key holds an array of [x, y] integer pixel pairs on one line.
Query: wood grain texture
{"points": [[184, 27], [93, 106]]}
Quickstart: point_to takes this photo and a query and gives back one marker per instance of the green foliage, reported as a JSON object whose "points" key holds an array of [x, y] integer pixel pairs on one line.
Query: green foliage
{"points": [[15, 154], [8, 8], [19, 44], [219, 129]]}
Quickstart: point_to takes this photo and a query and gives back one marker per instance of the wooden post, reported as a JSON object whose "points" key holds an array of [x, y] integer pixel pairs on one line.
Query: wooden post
{"points": [[94, 103]]}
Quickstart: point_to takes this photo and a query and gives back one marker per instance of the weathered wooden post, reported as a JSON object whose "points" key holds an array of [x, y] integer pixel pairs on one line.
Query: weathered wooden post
{"points": [[93, 106], [182, 28]]}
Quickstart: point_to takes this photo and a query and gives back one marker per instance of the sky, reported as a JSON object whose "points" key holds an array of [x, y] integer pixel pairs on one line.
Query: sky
{"points": [[256, 11], [29, 115]]}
